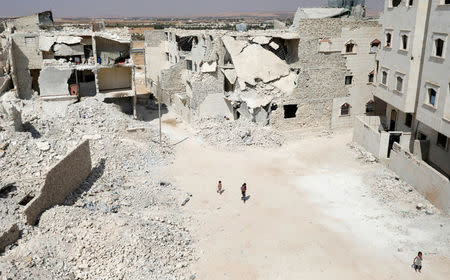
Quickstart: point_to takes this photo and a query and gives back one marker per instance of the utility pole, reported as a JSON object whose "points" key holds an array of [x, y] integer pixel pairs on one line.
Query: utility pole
{"points": [[158, 89]]}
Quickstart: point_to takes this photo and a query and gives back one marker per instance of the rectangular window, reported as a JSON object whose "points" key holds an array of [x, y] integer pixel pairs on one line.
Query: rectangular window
{"points": [[189, 64], [447, 2], [290, 111], [30, 41], [404, 42], [399, 86], [167, 56], [371, 77], [408, 119], [349, 48], [442, 141], [432, 96], [439, 47], [388, 39], [421, 136], [348, 80], [410, 3], [384, 78]]}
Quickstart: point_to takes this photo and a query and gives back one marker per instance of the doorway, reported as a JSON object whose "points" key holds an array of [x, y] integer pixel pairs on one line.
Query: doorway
{"points": [[393, 138], [393, 120]]}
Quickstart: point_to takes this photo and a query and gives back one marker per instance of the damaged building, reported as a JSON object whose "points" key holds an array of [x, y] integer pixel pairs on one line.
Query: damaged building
{"points": [[64, 63], [317, 74]]}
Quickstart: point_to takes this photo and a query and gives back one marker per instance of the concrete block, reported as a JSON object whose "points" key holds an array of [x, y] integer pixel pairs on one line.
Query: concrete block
{"points": [[65, 177]]}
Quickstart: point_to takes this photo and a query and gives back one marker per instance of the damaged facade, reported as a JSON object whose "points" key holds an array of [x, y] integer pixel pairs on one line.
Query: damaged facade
{"points": [[289, 78], [66, 63], [411, 129]]}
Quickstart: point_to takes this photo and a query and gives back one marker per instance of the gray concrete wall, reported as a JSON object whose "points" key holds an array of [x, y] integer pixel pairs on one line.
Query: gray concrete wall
{"points": [[427, 181], [114, 78], [65, 177], [366, 134]]}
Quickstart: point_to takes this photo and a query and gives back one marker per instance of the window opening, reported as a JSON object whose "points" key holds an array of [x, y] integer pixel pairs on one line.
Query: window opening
{"points": [[290, 111]]}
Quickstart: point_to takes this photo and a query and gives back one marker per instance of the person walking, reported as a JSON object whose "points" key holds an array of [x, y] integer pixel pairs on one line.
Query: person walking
{"points": [[243, 190], [219, 187], [417, 263]]}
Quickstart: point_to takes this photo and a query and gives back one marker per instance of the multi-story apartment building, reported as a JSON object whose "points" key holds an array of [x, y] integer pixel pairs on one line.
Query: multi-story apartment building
{"points": [[413, 74], [413, 97]]}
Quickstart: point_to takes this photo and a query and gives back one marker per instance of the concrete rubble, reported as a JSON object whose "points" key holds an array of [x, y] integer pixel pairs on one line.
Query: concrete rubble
{"points": [[121, 202]]}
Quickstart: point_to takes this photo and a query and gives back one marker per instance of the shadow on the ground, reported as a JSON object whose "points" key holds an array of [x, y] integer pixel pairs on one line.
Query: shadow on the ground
{"points": [[96, 173], [29, 127]]}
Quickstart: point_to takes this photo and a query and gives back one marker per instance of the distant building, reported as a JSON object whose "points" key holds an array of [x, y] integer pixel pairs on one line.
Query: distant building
{"points": [[64, 63]]}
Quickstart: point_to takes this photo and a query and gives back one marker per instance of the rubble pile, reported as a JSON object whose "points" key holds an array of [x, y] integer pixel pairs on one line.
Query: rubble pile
{"points": [[123, 222], [232, 134], [393, 192], [361, 153]]}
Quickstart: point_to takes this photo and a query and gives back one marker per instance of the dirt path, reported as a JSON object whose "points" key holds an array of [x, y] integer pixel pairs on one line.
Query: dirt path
{"points": [[283, 231]]}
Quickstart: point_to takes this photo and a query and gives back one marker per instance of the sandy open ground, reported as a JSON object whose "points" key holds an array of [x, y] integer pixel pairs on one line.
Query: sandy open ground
{"points": [[310, 214]]}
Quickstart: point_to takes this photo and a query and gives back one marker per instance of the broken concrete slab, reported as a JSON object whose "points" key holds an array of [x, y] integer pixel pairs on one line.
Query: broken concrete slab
{"points": [[70, 40], [12, 119], [65, 177], [46, 43], [53, 81], [230, 74], [274, 45], [287, 84], [233, 46], [8, 235], [209, 67], [256, 63], [68, 50], [262, 40]]}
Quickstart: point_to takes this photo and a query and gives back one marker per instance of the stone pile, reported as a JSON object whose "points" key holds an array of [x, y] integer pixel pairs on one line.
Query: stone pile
{"points": [[230, 134], [122, 223]]}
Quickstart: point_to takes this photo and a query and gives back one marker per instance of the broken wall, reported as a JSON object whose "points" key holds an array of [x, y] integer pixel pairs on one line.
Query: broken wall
{"points": [[173, 81], [109, 50], [8, 235], [26, 56], [54, 81], [114, 78], [62, 179], [155, 54], [321, 76]]}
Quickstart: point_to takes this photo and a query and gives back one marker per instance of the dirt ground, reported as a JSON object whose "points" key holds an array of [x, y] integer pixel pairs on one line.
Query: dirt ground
{"points": [[310, 214]]}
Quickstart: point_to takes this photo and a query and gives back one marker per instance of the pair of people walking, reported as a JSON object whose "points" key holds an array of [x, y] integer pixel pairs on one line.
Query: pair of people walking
{"points": [[243, 190]]}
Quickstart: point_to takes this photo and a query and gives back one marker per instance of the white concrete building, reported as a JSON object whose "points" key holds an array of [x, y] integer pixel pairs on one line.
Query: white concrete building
{"points": [[413, 97]]}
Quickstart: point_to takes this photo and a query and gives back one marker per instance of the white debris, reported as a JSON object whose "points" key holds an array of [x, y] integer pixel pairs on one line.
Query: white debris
{"points": [[43, 146], [262, 40]]}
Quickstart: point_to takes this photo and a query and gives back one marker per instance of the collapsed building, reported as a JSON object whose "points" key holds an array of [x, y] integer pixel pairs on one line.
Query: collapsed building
{"points": [[64, 63], [315, 75]]}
